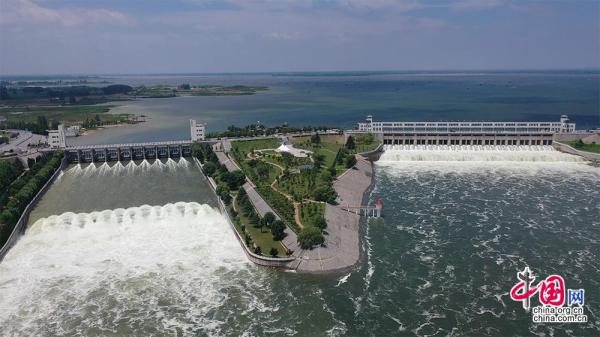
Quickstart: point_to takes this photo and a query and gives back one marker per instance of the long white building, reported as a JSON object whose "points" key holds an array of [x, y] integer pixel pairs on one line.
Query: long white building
{"points": [[465, 133]]}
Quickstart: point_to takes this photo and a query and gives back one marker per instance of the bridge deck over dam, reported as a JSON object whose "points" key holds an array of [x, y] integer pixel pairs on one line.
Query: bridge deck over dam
{"points": [[128, 151]]}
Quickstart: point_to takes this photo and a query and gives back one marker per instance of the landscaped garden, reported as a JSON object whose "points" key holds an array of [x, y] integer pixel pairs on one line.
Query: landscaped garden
{"points": [[262, 235], [298, 188]]}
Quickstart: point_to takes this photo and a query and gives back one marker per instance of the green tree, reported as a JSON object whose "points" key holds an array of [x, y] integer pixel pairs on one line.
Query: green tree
{"points": [[350, 145], [278, 230], [350, 161], [310, 237], [273, 252], [315, 139], [320, 223], [209, 168], [325, 193], [224, 193], [319, 160], [269, 218]]}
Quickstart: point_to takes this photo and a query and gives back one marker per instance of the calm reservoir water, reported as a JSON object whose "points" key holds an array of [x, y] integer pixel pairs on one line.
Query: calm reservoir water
{"points": [[343, 99]]}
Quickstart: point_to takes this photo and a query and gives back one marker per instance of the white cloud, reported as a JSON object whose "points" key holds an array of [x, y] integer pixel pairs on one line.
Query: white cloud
{"points": [[28, 12]]}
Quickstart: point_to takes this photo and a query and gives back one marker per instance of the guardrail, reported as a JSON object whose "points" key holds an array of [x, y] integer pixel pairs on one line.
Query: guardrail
{"points": [[21, 225]]}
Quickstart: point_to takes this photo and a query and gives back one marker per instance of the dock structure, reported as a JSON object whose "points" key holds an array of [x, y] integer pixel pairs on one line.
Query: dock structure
{"points": [[464, 133], [373, 211]]}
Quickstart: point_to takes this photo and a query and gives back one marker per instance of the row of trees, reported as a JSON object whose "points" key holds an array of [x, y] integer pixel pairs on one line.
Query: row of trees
{"points": [[277, 227], [9, 171], [253, 130], [40, 126], [233, 181], [24, 189]]}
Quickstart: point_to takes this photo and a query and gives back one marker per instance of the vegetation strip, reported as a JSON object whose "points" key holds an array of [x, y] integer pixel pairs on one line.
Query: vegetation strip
{"points": [[19, 194]]}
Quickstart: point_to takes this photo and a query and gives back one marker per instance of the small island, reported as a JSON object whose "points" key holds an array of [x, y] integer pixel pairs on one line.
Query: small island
{"points": [[163, 91]]}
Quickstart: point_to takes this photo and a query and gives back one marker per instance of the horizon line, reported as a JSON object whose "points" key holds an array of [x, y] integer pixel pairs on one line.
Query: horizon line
{"points": [[474, 70]]}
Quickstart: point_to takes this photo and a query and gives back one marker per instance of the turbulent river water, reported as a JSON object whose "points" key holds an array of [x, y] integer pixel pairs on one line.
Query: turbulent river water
{"points": [[138, 249]]}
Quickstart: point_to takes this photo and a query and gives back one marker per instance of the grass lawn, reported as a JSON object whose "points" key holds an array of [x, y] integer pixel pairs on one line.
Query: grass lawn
{"points": [[367, 147], [263, 238], [595, 148], [247, 146]]}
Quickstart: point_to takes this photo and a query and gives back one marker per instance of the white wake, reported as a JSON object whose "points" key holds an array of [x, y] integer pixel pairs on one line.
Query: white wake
{"points": [[475, 153], [83, 274]]}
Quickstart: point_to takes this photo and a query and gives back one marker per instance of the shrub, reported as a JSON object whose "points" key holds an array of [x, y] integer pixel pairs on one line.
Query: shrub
{"points": [[350, 161], [273, 252], [209, 168], [325, 193], [310, 237], [320, 223], [350, 145]]}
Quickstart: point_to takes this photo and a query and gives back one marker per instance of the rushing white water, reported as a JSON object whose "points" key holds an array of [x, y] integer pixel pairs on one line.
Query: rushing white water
{"points": [[130, 167], [130, 271], [475, 153]]}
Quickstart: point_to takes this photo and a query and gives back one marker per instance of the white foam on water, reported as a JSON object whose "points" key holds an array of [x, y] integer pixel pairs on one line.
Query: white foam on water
{"points": [[121, 272], [128, 167], [530, 160], [343, 280], [476, 153]]}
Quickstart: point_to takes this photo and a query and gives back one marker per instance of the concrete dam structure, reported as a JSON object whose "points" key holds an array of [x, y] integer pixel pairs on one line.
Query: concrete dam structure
{"points": [[130, 151], [464, 133], [135, 151]]}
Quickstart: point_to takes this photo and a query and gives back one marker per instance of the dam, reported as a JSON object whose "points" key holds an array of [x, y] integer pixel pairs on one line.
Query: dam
{"points": [[136, 151], [172, 149], [464, 133]]}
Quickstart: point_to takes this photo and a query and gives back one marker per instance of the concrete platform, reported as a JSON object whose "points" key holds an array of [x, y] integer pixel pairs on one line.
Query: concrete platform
{"points": [[342, 247]]}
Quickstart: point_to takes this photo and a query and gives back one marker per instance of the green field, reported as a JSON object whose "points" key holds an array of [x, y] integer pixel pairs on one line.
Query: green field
{"points": [[247, 146], [73, 114], [594, 148]]}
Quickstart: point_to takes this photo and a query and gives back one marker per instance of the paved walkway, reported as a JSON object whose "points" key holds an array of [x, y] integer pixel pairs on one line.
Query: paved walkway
{"points": [[342, 248], [223, 159]]}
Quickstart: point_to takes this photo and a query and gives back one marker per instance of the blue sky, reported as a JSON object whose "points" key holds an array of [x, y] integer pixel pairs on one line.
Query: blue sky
{"points": [[161, 36]]}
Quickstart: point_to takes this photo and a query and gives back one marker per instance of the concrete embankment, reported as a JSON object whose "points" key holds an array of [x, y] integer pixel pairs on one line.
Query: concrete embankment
{"points": [[21, 225], [594, 157], [342, 247], [277, 262]]}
